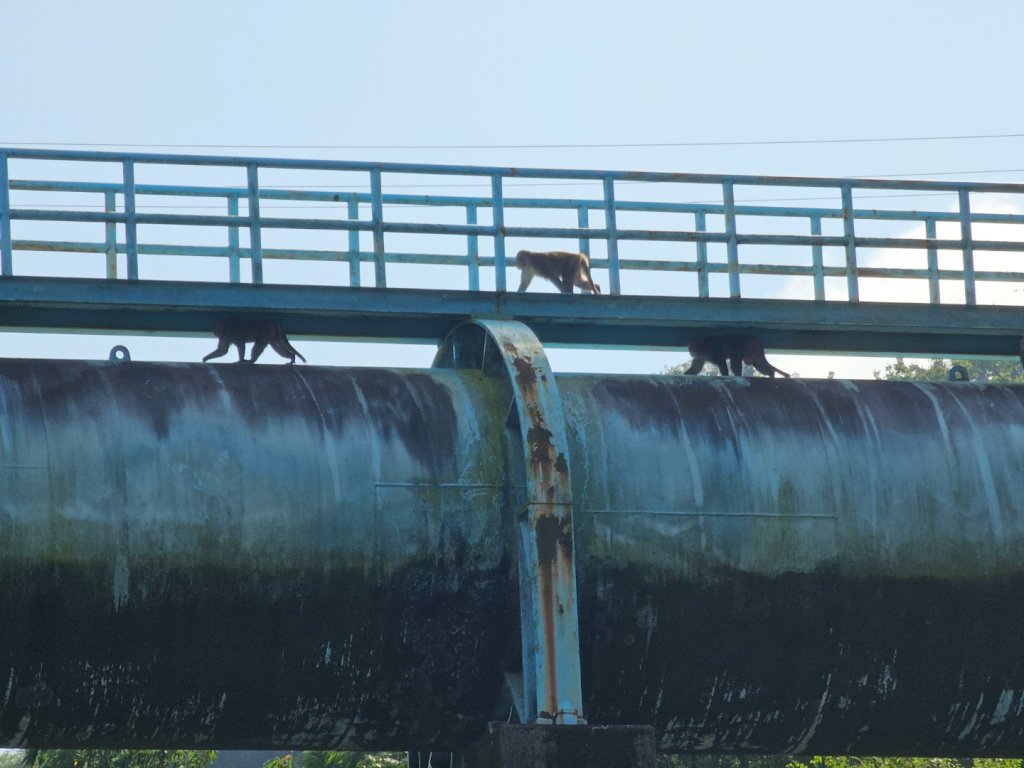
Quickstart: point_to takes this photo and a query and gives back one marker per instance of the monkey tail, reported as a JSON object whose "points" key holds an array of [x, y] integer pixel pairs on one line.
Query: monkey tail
{"points": [[298, 354]]}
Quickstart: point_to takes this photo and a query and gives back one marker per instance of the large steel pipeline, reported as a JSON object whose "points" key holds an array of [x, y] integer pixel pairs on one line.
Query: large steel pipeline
{"points": [[246, 556]]}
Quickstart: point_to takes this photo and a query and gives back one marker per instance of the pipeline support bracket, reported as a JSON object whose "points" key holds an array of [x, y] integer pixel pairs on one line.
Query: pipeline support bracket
{"points": [[547, 577]]}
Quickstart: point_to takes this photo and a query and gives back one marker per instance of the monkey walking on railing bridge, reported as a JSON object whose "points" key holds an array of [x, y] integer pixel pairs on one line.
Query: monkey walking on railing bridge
{"points": [[737, 348], [562, 268], [239, 331]]}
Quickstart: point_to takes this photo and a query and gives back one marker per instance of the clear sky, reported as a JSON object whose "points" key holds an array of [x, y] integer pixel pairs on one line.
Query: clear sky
{"points": [[277, 79]]}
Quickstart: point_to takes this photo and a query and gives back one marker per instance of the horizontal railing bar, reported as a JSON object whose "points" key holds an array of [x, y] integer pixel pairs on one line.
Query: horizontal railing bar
{"points": [[342, 197], [525, 232], [177, 219], [506, 172], [288, 254], [488, 261]]}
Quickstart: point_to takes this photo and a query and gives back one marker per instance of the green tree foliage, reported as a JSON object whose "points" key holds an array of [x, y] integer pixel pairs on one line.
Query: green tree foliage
{"points": [[678, 370], [163, 758], [710, 369], [681, 761], [901, 762], [344, 760], [721, 761], [119, 758], [993, 371]]}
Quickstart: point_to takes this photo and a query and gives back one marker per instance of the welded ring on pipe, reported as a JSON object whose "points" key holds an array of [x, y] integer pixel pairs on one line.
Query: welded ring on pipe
{"points": [[959, 373], [547, 577], [120, 354]]}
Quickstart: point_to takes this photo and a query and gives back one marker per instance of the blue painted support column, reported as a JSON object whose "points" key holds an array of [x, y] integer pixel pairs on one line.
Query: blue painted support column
{"points": [[255, 236], [701, 225], [547, 576], [6, 250], [583, 222], [498, 200], [131, 239], [732, 247], [933, 264], [817, 261], [473, 251], [110, 227], [613, 238], [353, 246], [234, 259], [852, 289], [377, 213], [970, 296]]}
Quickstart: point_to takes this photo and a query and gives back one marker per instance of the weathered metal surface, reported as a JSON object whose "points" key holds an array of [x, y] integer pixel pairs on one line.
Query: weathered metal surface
{"points": [[428, 315], [547, 574], [539, 746], [821, 567], [250, 556], [247, 557]]}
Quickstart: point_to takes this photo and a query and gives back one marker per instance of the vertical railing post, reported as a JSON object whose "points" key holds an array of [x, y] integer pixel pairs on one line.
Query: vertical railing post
{"points": [[852, 288], [583, 222], [498, 201], [234, 259], [817, 261], [6, 248], [255, 236], [933, 264], [110, 227], [473, 250], [613, 236], [732, 247], [700, 223], [354, 258], [968, 246], [131, 239], [377, 214]]}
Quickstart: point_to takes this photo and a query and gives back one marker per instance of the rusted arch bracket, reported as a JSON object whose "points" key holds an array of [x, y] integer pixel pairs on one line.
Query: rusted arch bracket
{"points": [[547, 577]]}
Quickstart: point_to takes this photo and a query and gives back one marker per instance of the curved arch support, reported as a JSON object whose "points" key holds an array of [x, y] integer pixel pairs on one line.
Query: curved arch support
{"points": [[547, 577]]}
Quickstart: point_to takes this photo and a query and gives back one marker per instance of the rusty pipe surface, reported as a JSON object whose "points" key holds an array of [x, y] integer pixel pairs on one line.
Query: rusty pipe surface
{"points": [[243, 556]]}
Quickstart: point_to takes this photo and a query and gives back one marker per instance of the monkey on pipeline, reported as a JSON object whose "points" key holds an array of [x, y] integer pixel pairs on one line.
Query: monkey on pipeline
{"points": [[563, 268], [737, 348], [239, 331]]}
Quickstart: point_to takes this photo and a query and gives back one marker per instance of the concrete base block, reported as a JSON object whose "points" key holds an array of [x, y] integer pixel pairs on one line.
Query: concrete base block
{"points": [[565, 746]]}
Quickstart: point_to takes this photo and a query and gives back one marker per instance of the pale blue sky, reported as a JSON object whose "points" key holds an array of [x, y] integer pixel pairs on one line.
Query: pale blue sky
{"points": [[198, 73]]}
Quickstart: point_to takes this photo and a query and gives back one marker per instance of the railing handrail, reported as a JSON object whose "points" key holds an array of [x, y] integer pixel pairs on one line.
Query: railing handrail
{"points": [[510, 172], [428, 200]]}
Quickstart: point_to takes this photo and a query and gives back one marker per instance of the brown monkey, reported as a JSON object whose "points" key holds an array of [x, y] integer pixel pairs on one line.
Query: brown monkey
{"points": [[738, 348], [562, 268], [238, 331]]}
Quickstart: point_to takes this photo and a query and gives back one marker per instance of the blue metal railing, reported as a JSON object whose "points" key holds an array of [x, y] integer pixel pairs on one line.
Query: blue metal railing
{"points": [[690, 222]]}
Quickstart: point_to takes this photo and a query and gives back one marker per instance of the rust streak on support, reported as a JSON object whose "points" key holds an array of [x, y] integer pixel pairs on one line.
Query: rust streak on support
{"points": [[550, 630]]}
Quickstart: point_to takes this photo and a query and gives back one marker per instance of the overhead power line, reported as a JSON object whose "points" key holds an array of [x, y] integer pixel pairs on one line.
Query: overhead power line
{"points": [[616, 145]]}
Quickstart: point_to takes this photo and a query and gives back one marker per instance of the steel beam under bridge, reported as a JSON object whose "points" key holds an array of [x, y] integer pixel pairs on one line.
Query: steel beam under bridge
{"points": [[61, 304]]}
